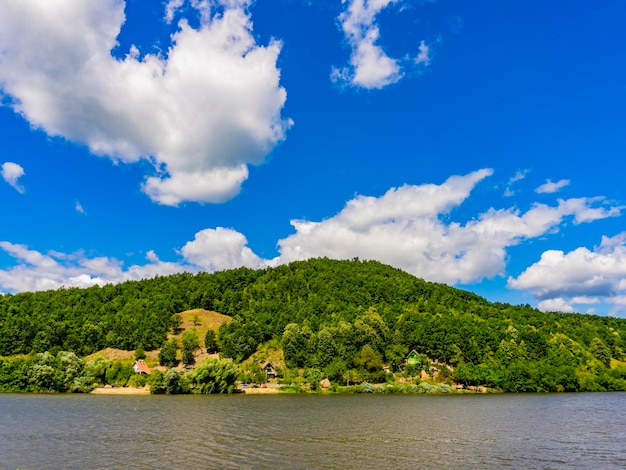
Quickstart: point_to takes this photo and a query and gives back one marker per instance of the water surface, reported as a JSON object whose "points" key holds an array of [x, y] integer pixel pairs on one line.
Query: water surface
{"points": [[309, 431]]}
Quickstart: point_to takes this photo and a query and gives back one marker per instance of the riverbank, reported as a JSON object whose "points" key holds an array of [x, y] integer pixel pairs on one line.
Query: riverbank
{"points": [[121, 390]]}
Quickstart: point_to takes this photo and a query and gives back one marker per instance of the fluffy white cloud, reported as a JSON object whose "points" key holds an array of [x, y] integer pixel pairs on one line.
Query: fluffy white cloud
{"points": [[11, 173], [555, 305], [579, 277], [201, 114], [219, 249], [411, 227], [37, 271], [552, 187], [404, 228], [370, 67], [211, 250]]}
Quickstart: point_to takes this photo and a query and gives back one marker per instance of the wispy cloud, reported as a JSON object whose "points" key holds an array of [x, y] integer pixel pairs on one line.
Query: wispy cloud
{"points": [[424, 55], [552, 187], [79, 208], [370, 66], [11, 173], [518, 176]]}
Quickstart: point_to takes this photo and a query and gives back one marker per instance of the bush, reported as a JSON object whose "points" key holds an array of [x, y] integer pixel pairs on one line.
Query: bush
{"points": [[155, 381], [137, 380], [425, 387], [173, 382]]}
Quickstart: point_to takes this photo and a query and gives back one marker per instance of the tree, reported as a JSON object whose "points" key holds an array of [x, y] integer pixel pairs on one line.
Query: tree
{"points": [[167, 355], [210, 342], [368, 359], [191, 343], [214, 376], [173, 382], [155, 381], [314, 376], [140, 353], [600, 351]]}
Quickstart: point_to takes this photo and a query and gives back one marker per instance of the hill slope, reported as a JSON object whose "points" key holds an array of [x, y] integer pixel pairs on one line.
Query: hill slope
{"points": [[331, 315]]}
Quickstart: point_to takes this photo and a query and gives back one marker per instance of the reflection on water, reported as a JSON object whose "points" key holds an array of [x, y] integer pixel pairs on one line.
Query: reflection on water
{"points": [[288, 431]]}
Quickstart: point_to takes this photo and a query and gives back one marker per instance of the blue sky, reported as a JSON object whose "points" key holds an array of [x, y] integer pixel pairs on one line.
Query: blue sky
{"points": [[480, 144]]}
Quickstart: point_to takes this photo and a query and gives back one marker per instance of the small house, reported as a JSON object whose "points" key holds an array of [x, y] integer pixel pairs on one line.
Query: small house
{"points": [[412, 359], [269, 370], [140, 367]]}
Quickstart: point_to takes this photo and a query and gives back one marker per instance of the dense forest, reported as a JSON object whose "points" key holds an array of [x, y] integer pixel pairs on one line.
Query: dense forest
{"points": [[340, 318]]}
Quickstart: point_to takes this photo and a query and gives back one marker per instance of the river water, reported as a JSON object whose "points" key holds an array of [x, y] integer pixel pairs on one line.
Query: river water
{"points": [[311, 431]]}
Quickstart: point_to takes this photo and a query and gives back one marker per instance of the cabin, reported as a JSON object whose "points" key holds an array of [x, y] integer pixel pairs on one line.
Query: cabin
{"points": [[269, 370], [140, 367], [412, 359]]}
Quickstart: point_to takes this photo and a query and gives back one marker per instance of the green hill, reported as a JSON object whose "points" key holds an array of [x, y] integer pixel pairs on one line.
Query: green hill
{"points": [[332, 316]]}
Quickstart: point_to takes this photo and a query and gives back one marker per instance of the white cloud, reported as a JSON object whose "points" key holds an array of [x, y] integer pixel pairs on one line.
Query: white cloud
{"points": [[171, 8], [404, 228], [370, 67], [201, 114], [37, 271], [551, 187], [219, 249], [211, 250], [555, 305], [79, 208], [11, 173], [423, 57], [411, 227], [518, 176], [581, 272]]}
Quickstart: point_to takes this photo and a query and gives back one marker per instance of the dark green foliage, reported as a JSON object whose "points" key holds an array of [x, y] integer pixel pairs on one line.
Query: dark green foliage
{"points": [[210, 342], [174, 382], [325, 313], [167, 354], [214, 376], [140, 353], [191, 344], [314, 376], [155, 381]]}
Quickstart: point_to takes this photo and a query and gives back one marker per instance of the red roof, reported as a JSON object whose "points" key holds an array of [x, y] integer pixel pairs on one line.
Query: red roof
{"points": [[141, 367]]}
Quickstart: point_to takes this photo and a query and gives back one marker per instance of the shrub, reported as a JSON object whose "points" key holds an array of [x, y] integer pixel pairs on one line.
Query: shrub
{"points": [[137, 380]]}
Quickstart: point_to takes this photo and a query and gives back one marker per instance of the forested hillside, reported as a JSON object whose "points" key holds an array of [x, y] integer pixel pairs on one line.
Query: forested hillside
{"points": [[335, 317]]}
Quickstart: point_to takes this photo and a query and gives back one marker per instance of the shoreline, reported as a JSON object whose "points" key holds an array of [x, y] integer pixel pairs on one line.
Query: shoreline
{"points": [[121, 391]]}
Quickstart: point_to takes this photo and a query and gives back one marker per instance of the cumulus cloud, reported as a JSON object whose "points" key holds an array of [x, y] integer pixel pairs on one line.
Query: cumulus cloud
{"points": [[370, 67], [579, 277], [219, 249], [411, 227], [551, 187], [36, 271], [211, 250], [11, 173], [404, 228], [200, 114]]}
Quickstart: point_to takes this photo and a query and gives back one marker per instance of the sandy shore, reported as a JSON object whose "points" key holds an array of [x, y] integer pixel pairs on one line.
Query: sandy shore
{"points": [[121, 391], [260, 391]]}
